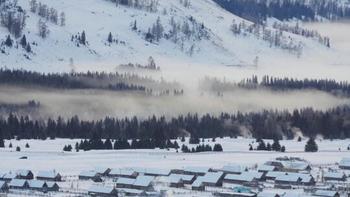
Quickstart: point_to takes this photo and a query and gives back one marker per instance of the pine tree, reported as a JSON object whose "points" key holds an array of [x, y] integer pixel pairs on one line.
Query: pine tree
{"points": [[299, 139], [217, 148], [311, 146], [108, 144], [276, 145], [110, 37], [23, 41], [261, 145], [27, 145], [28, 48], [18, 149], [283, 149], [10, 145], [2, 142], [134, 27], [8, 41], [83, 38]]}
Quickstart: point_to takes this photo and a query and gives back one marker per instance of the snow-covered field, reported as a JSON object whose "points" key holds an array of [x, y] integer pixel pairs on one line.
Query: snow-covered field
{"points": [[48, 155]]}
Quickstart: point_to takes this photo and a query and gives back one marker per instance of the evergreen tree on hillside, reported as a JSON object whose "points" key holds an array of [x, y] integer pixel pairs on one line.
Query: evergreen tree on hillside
{"points": [[262, 145], [83, 38], [8, 41], [110, 37], [23, 41], [311, 146]]}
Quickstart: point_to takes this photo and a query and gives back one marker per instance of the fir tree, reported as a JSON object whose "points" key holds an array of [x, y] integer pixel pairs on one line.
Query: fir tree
{"points": [[110, 37], [8, 41], [23, 41], [311, 146]]}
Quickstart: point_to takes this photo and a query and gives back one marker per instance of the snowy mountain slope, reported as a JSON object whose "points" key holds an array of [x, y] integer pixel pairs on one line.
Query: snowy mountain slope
{"points": [[98, 17]]}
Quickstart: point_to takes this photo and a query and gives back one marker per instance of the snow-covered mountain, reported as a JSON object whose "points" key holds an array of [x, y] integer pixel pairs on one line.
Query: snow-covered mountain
{"points": [[205, 37]]}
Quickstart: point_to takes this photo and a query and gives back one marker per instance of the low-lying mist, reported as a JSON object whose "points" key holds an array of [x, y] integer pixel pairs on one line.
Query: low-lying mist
{"points": [[97, 104]]}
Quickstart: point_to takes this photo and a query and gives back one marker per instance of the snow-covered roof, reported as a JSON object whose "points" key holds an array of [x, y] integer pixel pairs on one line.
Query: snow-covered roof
{"points": [[17, 182], [288, 178], [197, 169], [125, 181], [122, 172], [295, 165], [345, 162], [101, 189], [23, 172], [175, 178], [338, 175], [8, 176], [269, 194], [155, 171], [131, 191], [266, 168], [48, 174], [90, 173], [36, 184], [227, 193], [212, 177], [198, 182], [101, 170], [326, 193], [2, 184], [233, 168], [143, 181], [50, 184], [275, 174], [245, 176]]}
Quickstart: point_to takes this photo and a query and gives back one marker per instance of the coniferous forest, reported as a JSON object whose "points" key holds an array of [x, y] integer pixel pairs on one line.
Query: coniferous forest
{"points": [[332, 124]]}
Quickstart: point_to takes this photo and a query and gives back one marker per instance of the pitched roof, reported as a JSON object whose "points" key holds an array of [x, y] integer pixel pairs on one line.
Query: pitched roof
{"points": [[122, 172], [101, 189], [288, 178], [90, 173], [2, 184], [326, 193], [17, 182], [245, 176], [48, 174], [175, 178], [23, 172], [212, 177], [233, 168], [125, 181], [36, 184], [143, 181], [266, 168], [51, 184], [338, 175], [345, 162], [197, 169], [155, 171]]}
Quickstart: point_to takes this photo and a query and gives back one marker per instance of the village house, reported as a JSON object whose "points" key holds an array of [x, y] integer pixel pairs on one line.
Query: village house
{"points": [[3, 186], [143, 183], [271, 175], [7, 177], [90, 175], [49, 176], [198, 184], [266, 168], [269, 194], [24, 174], [345, 164], [102, 191], [179, 180], [233, 169], [102, 171], [326, 193], [234, 194], [125, 173], [196, 171], [288, 179], [244, 178], [38, 185], [125, 182], [334, 176], [18, 184], [52, 186]]}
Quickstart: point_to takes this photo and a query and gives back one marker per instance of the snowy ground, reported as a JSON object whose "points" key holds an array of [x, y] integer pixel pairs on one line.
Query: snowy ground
{"points": [[48, 155]]}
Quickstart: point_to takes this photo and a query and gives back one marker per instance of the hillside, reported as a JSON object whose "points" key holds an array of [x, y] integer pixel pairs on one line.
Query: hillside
{"points": [[204, 37]]}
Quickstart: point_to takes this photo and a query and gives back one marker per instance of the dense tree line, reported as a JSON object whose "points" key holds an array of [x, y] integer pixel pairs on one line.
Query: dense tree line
{"points": [[67, 80], [147, 5], [333, 123], [31, 107], [258, 10], [202, 148], [341, 88]]}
